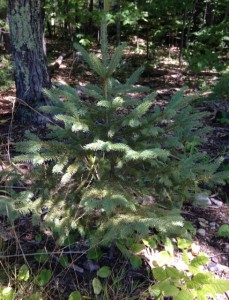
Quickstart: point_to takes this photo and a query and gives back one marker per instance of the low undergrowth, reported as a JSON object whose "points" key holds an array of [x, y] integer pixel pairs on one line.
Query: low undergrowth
{"points": [[153, 272], [6, 74]]}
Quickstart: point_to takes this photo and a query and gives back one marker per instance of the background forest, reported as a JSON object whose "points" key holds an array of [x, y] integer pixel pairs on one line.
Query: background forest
{"points": [[114, 158]]}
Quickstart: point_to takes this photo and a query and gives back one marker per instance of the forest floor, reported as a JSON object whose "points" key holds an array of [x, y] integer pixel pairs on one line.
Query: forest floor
{"points": [[166, 76]]}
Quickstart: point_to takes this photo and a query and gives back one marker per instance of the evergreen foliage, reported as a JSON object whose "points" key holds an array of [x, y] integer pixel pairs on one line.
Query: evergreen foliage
{"points": [[103, 160], [221, 89]]}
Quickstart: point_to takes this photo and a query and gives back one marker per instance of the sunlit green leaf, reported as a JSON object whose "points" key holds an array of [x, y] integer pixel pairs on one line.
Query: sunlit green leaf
{"points": [[23, 273], [6, 293], [163, 258], [104, 272], [183, 243], [64, 261], [75, 296], [42, 256], [43, 278], [200, 260], [97, 286]]}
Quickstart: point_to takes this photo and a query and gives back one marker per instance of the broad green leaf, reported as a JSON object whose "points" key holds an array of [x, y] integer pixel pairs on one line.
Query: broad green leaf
{"points": [[202, 295], [183, 295], [64, 261], [122, 248], [173, 273], [200, 260], [104, 272], [154, 291], [97, 286], [183, 243], [42, 256], [135, 261], [159, 274], [169, 290], [164, 258], [169, 246], [185, 257], [136, 248], [23, 273], [43, 278], [217, 286], [94, 254], [6, 293], [203, 278], [194, 270], [150, 242], [75, 296]]}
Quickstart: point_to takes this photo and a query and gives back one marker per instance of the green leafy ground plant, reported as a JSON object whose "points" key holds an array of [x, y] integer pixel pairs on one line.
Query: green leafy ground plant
{"points": [[27, 285], [183, 279]]}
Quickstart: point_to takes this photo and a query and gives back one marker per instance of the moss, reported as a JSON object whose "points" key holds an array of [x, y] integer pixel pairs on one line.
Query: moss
{"points": [[25, 29], [22, 33]]}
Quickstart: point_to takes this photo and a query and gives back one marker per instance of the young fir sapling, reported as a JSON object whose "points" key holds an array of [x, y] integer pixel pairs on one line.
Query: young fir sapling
{"points": [[102, 157]]}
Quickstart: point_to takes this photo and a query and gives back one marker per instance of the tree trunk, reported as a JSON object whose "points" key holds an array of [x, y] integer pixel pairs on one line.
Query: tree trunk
{"points": [[66, 22], [182, 40], [90, 21], [26, 24], [210, 14], [117, 9]]}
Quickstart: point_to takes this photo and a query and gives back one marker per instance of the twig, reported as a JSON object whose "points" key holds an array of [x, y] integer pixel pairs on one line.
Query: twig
{"points": [[26, 104], [42, 253], [10, 131]]}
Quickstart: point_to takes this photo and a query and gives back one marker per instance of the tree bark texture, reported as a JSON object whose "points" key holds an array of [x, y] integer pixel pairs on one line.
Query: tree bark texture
{"points": [[28, 50]]}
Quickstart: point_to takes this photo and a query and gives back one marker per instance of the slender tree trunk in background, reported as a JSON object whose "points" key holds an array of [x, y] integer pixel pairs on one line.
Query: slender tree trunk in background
{"points": [[182, 40], [28, 49], [118, 31], [210, 14], [226, 12], [137, 37], [49, 29], [100, 7], [190, 23], [147, 42], [205, 13], [117, 9], [90, 23], [66, 23]]}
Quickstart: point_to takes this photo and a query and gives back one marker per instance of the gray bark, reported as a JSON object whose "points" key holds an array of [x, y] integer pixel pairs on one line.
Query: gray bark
{"points": [[28, 50]]}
